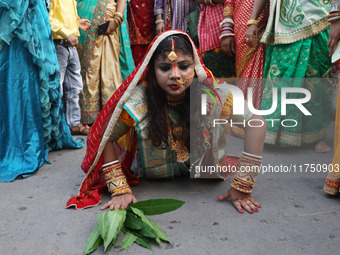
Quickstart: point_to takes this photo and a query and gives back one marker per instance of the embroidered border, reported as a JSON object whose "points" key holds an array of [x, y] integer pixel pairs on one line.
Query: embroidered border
{"points": [[296, 35], [85, 51]]}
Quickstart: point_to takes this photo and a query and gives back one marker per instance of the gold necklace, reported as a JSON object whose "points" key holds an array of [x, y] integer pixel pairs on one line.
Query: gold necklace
{"points": [[175, 100], [177, 144]]}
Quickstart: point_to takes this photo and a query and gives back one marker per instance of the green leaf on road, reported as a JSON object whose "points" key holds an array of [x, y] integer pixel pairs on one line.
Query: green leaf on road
{"points": [[143, 241], [136, 223], [128, 240], [133, 222], [159, 232], [95, 241], [148, 231], [125, 230], [153, 225], [110, 224], [110, 246], [157, 206]]}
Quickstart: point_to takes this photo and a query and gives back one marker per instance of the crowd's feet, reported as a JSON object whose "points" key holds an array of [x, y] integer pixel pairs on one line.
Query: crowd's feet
{"points": [[322, 147], [80, 129]]}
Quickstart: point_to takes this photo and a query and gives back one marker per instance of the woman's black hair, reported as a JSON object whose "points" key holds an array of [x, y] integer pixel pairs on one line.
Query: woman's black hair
{"points": [[156, 97]]}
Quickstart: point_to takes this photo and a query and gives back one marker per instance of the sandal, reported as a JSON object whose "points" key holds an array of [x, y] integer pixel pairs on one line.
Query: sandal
{"points": [[80, 129]]}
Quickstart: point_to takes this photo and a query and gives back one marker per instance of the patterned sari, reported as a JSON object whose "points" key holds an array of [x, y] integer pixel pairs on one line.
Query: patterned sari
{"points": [[99, 59], [297, 48], [249, 60], [126, 98], [32, 119]]}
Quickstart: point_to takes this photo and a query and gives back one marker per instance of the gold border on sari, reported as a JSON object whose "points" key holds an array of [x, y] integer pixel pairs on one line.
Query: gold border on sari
{"points": [[296, 35]]}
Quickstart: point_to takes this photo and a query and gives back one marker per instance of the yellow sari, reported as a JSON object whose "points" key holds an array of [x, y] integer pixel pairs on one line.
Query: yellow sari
{"points": [[99, 56]]}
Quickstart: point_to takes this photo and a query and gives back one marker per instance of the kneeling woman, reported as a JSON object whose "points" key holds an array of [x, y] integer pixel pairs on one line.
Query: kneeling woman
{"points": [[154, 100]]}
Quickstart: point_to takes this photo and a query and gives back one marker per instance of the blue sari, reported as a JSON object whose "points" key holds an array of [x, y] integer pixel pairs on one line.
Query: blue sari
{"points": [[32, 120]]}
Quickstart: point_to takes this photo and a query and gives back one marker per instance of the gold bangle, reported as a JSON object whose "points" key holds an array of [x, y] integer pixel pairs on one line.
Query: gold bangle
{"points": [[115, 179], [118, 18], [121, 191], [118, 15], [252, 22], [118, 22], [228, 11]]}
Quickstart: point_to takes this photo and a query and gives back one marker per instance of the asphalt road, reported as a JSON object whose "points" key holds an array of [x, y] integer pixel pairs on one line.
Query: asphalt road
{"points": [[296, 216]]}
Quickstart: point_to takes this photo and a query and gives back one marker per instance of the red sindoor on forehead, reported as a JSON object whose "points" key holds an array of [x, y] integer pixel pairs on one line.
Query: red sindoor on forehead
{"points": [[172, 55]]}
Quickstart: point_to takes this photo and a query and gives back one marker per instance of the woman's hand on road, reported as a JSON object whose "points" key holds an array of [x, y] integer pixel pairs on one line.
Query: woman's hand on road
{"points": [[241, 200], [120, 202]]}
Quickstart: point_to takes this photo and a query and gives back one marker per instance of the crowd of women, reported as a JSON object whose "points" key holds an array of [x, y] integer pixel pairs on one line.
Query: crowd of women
{"points": [[137, 80]]}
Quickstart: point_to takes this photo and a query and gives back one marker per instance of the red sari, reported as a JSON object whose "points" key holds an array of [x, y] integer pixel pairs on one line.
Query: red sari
{"points": [[249, 60], [141, 27]]}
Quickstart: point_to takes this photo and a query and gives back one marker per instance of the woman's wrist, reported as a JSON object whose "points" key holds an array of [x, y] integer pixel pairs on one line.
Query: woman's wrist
{"points": [[118, 18], [248, 169], [115, 179], [157, 21], [227, 27], [122, 191]]}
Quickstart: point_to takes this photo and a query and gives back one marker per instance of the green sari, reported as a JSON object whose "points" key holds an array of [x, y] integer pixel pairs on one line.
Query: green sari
{"points": [[304, 59], [302, 55]]}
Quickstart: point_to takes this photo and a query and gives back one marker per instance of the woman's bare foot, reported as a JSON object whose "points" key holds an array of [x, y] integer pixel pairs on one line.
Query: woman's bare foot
{"points": [[322, 146]]}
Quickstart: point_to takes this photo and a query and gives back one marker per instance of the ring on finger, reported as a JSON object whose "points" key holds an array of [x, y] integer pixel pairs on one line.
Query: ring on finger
{"points": [[249, 202]]}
